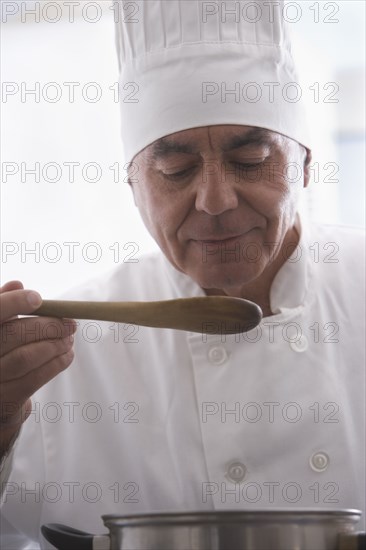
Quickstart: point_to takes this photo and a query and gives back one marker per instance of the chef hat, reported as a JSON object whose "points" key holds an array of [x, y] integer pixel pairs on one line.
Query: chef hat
{"points": [[193, 63]]}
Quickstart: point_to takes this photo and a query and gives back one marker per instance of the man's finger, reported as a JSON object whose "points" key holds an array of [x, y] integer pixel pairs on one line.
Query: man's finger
{"points": [[19, 390], [18, 302], [11, 285], [33, 329], [25, 359]]}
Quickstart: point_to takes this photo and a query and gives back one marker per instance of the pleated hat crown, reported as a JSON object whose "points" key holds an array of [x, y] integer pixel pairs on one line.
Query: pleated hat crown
{"points": [[192, 63]]}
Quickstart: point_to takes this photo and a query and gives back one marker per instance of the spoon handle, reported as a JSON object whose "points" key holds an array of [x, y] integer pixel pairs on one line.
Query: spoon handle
{"points": [[117, 312]]}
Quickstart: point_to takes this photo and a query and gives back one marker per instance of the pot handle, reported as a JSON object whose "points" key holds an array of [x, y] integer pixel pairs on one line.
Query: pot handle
{"points": [[64, 538], [354, 541]]}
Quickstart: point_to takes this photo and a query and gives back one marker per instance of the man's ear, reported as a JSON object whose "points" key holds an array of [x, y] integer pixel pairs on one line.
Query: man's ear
{"points": [[132, 189], [307, 163], [130, 175]]}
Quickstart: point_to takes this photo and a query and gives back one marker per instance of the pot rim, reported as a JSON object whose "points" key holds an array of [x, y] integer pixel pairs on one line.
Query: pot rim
{"points": [[285, 515]]}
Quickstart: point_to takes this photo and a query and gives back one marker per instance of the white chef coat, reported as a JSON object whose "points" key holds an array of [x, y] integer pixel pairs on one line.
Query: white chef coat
{"points": [[150, 420]]}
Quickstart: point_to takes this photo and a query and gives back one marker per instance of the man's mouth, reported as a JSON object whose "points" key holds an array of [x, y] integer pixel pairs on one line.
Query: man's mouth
{"points": [[221, 239]]}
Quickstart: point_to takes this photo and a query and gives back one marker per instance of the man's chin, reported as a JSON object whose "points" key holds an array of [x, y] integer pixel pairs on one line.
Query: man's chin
{"points": [[218, 277]]}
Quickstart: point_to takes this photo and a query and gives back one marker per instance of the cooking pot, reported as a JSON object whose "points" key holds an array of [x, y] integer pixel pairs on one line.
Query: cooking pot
{"points": [[308, 529]]}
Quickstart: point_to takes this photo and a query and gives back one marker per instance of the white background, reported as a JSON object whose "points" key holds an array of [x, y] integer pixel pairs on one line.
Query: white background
{"points": [[34, 214]]}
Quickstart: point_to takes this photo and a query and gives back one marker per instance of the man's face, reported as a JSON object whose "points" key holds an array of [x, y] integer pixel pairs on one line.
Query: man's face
{"points": [[220, 201]]}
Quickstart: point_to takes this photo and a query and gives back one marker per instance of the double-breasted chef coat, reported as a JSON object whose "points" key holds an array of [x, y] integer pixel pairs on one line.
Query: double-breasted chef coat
{"points": [[151, 420]]}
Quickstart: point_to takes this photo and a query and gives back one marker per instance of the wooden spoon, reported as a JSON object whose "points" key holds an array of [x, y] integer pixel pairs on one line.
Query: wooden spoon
{"points": [[206, 315]]}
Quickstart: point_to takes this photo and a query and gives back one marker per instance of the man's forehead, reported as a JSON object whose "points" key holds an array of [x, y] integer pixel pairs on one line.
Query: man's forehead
{"points": [[227, 138]]}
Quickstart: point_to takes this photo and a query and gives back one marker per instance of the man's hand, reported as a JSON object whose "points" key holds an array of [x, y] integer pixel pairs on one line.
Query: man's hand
{"points": [[33, 350]]}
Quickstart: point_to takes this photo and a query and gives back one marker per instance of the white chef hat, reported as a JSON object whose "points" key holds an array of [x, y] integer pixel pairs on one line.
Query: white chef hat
{"points": [[192, 63]]}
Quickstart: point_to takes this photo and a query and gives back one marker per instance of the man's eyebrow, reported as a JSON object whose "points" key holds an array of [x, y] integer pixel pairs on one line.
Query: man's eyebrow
{"points": [[165, 146], [257, 136]]}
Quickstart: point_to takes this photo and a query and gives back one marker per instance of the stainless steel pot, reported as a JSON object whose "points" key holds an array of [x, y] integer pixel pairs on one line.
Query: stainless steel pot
{"points": [[223, 530]]}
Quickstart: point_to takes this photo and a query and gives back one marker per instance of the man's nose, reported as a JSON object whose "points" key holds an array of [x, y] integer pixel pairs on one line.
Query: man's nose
{"points": [[215, 190]]}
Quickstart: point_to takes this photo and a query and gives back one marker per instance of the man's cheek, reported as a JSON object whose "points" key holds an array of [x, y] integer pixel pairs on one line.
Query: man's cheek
{"points": [[275, 179]]}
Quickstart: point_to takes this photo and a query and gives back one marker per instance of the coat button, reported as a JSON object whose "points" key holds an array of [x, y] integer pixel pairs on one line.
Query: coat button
{"points": [[319, 462], [218, 355], [300, 345], [236, 472]]}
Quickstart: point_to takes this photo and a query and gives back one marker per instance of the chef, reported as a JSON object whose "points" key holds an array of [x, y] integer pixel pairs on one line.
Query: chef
{"points": [[126, 419]]}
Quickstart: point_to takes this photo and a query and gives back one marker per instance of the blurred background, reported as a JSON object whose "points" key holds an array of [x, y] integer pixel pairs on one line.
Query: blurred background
{"points": [[67, 213]]}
